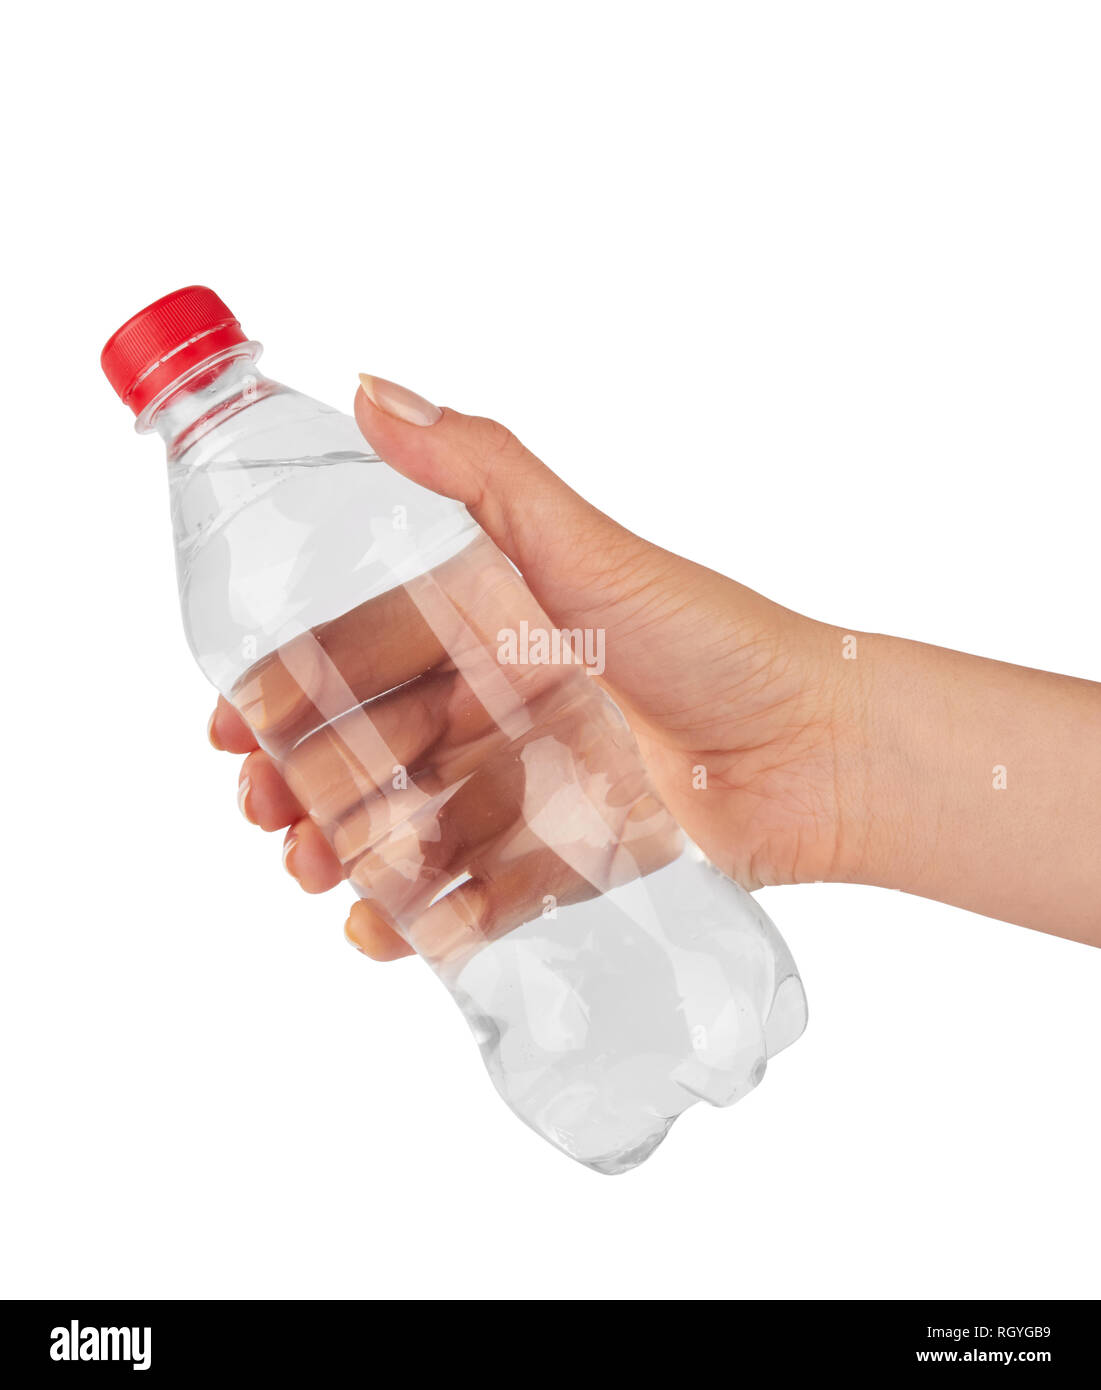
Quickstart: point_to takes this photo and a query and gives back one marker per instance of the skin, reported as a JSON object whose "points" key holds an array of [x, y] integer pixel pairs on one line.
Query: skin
{"points": [[830, 754]]}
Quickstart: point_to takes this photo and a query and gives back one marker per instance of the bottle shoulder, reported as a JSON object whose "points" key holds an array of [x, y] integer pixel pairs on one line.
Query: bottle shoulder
{"points": [[283, 519], [266, 422]]}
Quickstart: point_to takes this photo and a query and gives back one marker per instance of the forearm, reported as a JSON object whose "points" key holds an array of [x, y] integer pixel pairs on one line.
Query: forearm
{"points": [[973, 782]]}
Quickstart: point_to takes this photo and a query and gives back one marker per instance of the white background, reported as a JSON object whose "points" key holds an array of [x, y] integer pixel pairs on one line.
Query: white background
{"points": [[808, 292]]}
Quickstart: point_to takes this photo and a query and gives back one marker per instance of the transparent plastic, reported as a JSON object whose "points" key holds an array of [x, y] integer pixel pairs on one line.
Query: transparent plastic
{"points": [[484, 794]]}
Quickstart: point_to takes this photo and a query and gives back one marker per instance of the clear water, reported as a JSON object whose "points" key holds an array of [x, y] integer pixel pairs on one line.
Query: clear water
{"points": [[601, 1026], [492, 808]]}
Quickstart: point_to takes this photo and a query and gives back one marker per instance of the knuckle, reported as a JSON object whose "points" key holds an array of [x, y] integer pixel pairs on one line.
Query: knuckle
{"points": [[493, 446]]}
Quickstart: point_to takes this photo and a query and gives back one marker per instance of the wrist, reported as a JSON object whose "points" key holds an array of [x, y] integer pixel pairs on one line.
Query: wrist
{"points": [[891, 720]]}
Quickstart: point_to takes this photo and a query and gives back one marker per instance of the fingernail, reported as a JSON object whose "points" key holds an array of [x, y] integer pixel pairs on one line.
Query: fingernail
{"points": [[352, 937], [211, 736], [288, 849], [399, 401], [242, 798]]}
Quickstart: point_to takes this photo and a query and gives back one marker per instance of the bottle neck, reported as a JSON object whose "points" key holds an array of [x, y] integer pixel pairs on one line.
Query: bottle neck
{"points": [[206, 396]]}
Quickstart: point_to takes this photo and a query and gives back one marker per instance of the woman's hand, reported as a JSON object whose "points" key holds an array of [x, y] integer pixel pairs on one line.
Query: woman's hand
{"points": [[735, 701], [789, 750]]}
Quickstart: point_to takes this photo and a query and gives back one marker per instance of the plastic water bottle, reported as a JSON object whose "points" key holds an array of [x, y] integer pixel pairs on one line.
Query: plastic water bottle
{"points": [[475, 781]]}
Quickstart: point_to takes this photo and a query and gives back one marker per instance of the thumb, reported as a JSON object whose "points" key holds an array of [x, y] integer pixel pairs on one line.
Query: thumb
{"points": [[572, 555]]}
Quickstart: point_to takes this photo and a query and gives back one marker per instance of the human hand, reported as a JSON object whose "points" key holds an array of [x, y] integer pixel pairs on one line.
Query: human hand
{"points": [[735, 702], [785, 761]]}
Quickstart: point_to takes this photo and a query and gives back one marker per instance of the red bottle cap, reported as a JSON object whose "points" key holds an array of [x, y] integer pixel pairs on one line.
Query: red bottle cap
{"points": [[165, 340]]}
